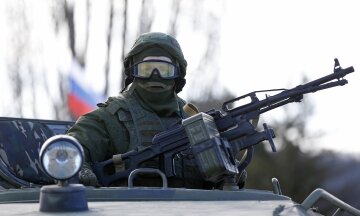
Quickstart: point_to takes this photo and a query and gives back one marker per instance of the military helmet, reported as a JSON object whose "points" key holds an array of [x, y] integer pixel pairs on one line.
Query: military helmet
{"points": [[164, 41]]}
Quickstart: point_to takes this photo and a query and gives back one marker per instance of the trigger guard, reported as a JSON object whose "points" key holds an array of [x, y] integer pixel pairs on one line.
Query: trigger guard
{"points": [[244, 162]]}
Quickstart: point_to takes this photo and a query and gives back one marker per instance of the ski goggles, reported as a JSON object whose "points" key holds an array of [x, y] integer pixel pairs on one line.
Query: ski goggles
{"points": [[145, 69]]}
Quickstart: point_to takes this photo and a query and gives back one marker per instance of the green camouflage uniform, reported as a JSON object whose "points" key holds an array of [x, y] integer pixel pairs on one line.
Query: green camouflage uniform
{"points": [[116, 128]]}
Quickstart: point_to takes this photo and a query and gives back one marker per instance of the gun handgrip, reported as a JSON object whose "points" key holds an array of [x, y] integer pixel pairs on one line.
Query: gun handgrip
{"points": [[98, 168], [270, 135]]}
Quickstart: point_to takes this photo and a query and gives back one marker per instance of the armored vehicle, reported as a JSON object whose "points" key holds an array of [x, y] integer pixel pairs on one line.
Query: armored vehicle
{"points": [[22, 177]]}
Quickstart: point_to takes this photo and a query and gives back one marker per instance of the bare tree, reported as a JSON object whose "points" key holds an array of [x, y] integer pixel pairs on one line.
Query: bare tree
{"points": [[87, 24], [108, 40], [69, 19], [124, 40], [32, 86], [70, 22], [208, 64], [147, 15], [20, 31], [175, 8]]}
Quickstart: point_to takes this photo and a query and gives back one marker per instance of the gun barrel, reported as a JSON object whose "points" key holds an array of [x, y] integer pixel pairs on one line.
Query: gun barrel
{"points": [[292, 95], [338, 74]]}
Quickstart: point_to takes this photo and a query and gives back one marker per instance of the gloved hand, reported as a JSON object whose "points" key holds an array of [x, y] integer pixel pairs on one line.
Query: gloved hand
{"points": [[87, 176]]}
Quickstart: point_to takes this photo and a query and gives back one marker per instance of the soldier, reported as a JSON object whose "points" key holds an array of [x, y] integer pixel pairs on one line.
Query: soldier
{"points": [[155, 71]]}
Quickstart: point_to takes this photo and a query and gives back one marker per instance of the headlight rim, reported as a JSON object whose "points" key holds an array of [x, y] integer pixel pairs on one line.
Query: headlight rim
{"points": [[58, 138]]}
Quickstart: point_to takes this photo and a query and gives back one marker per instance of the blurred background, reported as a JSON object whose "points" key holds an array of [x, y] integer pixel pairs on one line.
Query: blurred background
{"points": [[59, 58]]}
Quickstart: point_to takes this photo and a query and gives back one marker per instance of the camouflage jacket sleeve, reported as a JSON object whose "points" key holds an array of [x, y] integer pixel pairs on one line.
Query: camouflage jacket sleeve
{"points": [[97, 131]]}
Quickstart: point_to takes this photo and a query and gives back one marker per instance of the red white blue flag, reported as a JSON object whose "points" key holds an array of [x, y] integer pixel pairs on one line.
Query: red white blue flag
{"points": [[81, 97]]}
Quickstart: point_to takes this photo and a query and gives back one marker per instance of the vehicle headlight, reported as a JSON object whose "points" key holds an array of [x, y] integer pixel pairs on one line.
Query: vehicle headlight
{"points": [[61, 157]]}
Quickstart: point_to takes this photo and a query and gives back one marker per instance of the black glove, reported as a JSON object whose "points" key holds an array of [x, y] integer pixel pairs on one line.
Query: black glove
{"points": [[87, 176]]}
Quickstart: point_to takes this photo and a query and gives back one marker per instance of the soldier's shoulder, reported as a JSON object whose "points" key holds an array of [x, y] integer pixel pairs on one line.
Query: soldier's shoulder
{"points": [[112, 105], [180, 100]]}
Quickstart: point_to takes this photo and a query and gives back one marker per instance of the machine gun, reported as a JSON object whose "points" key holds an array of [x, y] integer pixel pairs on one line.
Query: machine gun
{"points": [[215, 138]]}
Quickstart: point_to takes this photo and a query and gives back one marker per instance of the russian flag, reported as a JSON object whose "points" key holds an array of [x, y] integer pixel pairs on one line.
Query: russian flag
{"points": [[81, 97]]}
